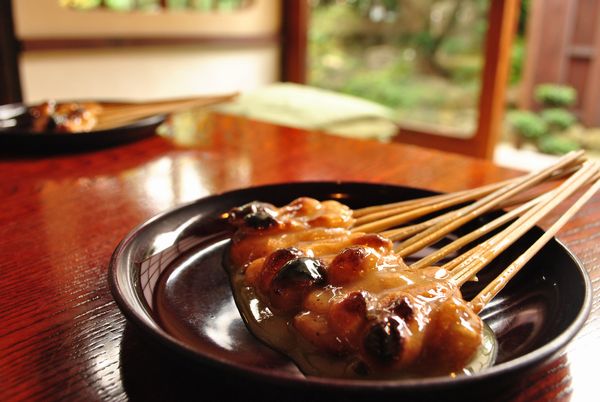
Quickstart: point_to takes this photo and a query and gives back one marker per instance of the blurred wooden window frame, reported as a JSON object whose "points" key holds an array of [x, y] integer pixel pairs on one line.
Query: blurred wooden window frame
{"points": [[502, 22]]}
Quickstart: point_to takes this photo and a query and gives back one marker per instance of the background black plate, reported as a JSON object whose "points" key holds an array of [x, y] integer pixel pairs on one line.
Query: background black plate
{"points": [[176, 259], [20, 137]]}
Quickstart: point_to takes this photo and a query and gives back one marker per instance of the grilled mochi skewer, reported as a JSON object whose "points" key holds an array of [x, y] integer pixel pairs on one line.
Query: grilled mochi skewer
{"points": [[336, 278]]}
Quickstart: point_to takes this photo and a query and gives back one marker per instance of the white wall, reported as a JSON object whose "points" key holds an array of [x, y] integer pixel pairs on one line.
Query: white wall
{"points": [[144, 72]]}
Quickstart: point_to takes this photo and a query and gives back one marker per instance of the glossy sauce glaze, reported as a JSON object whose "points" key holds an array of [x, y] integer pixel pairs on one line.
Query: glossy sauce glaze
{"points": [[343, 304]]}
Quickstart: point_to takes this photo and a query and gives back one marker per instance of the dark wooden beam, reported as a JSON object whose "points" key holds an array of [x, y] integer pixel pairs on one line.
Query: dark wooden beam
{"points": [[294, 33], [112, 42], [10, 83], [503, 17]]}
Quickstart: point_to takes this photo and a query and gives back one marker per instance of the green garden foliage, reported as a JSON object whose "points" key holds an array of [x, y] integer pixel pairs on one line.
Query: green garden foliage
{"points": [[552, 95], [81, 4], [527, 124], [122, 5], [547, 128], [558, 119], [422, 58], [557, 144]]}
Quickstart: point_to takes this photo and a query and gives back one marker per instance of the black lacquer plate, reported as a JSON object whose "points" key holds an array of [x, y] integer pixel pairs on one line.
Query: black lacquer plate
{"points": [[16, 133], [167, 277]]}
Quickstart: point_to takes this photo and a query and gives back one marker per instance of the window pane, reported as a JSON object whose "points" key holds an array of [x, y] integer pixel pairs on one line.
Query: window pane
{"points": [[422, 58]]}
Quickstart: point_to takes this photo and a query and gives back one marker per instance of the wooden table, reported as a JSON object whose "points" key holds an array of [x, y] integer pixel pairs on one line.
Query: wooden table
{"points": [[62, 335]]}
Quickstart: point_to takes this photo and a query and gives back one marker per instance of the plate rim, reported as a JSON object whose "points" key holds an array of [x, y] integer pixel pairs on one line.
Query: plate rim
{"points": [[522, 362]]}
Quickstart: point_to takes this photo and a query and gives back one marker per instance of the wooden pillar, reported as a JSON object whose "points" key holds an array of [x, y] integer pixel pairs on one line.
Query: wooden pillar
{"points": [[10, 84], [294, 39], [591, 104], [502, 25]]}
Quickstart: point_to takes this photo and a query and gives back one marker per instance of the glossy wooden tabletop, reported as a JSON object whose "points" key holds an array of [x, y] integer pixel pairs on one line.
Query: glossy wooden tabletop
{"points": [[61, 333]]}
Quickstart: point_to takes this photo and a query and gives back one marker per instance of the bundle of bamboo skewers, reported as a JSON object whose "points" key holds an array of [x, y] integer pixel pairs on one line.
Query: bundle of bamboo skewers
{"points": [[527, 211], [119, 114]]}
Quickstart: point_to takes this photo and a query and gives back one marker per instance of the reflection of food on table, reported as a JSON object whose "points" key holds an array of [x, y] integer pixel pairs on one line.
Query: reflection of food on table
{"points": [[64, 117], [346, 295]]}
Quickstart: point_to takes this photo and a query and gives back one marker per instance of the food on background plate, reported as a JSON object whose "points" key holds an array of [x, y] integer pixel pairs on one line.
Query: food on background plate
{"points": [[71, 117]]}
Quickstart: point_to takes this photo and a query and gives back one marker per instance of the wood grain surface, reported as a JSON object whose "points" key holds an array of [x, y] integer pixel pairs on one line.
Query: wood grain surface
{"points": [[62, 336]]}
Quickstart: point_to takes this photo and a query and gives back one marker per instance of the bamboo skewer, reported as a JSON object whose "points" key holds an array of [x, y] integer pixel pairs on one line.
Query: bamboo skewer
{"points": [[383, 211], [428, 207], [121, 114], [407, 231], [410, 214], [494, 287], [489, 201], [432, 230], [357, 213], [500, 242], [480, 207], [451, 265], [487, 251], [475, 234], [406, 205]]}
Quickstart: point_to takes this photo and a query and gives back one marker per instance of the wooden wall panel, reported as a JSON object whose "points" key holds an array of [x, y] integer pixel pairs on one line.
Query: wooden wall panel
{"points": [[563, 47], [586, 22], [578, 73], [545, 46]]}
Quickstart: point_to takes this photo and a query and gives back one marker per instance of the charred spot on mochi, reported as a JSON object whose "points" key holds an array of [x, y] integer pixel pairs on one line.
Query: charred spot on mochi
{"points": [[293, 281], [383, 341], [301, 269], [256, 215], [273, 264], [240, 212], [260, 220], [355, 303], [402, 308]]}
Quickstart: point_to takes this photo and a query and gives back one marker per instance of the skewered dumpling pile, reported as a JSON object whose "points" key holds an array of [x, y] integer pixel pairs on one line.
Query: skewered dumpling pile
{"points": [[328, 286]]}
